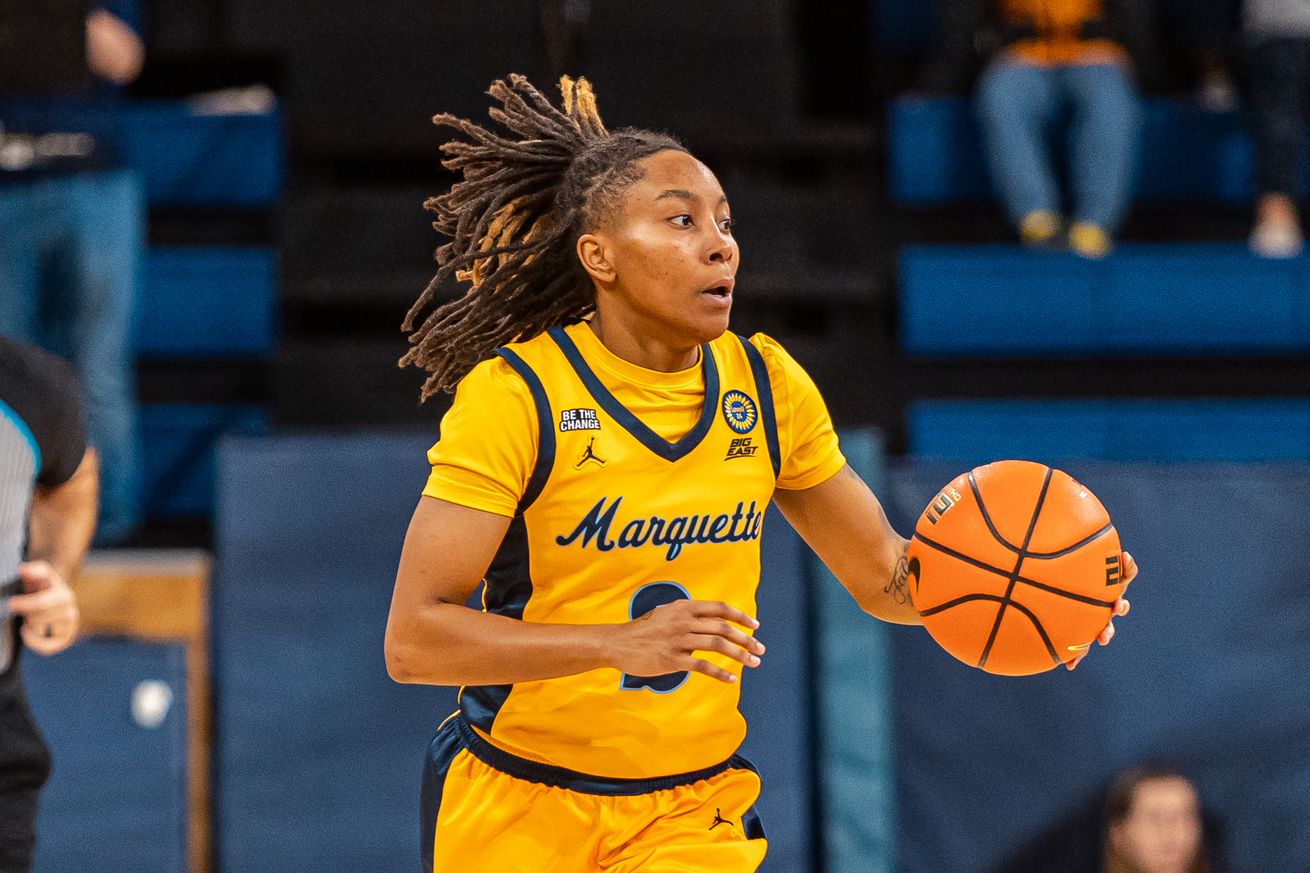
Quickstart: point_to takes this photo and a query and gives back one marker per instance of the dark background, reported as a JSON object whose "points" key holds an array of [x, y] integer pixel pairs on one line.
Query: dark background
{"points": [[785, 103]]}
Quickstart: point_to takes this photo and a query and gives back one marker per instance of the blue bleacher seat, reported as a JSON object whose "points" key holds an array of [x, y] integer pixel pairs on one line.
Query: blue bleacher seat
{"points": [[1143, 301], [208, 302], [1111, 430], [1187, 154], [184, 158], [179, 442], [188, 159]]}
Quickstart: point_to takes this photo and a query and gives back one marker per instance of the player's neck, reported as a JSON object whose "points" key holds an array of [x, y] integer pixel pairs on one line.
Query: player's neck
{"points": [[636, 344]]}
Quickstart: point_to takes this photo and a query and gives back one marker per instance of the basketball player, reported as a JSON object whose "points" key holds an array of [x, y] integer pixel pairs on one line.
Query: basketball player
{"points": [[605, 467]]}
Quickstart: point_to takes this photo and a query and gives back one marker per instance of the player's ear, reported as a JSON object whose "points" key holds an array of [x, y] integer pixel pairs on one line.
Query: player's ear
{"points": [[595, 258]]}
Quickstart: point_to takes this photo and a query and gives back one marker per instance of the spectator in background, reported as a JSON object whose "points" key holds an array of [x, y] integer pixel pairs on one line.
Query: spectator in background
{"points": [[1049, 61], [1278, 66], [70, 257], [48, 481], [1153, 824]]}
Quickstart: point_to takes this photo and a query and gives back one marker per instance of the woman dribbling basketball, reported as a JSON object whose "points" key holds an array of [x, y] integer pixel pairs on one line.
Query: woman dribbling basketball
{"points": [[605, 467]]}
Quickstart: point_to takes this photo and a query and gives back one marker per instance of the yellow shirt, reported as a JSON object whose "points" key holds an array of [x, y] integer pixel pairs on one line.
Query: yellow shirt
{"points": [[628, 488]]}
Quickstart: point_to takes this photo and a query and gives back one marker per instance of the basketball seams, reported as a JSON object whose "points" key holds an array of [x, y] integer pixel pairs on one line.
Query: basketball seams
{"points": [[970, 598], [1041, 631], [987, 518], [991, 527], [1075, 547], [1018, 565], [1060, 592], [982, 565]]}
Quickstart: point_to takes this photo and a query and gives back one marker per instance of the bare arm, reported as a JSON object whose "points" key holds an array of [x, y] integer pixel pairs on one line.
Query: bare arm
{"points": [[113, 51], [433, 638], [844, 524], [63, 519], [60, 525]]}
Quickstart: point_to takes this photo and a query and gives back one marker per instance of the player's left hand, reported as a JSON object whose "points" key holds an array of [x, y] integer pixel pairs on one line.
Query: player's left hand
{"points": [[1121, 607], [48, 608]]}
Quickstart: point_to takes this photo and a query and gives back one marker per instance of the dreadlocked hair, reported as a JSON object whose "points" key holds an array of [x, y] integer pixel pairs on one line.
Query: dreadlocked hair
{"points": [[514, 220]]}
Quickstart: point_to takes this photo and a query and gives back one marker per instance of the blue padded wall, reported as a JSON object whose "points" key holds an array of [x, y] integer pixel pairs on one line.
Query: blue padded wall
{"points": [[856, 756], [776, 699], [319, 751], [208, 302], [1187, 153], [1142, 301], [1208, 670], [117, 795], [178, 447], [1112, 430]]}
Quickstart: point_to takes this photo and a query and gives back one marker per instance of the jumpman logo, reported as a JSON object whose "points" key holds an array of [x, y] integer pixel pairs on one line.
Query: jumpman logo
{"points": [[589, 455], [719, 819]]}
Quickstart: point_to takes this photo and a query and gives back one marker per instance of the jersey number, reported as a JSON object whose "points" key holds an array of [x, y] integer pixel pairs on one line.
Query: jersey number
{"points": [[646, 598]]}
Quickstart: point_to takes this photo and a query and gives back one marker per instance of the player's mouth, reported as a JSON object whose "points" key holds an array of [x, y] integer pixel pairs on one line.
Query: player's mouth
{"points": [[720, 292]]}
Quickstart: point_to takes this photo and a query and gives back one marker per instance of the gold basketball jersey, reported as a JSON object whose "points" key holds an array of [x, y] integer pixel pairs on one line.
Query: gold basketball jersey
{"points": [[615, 521]]}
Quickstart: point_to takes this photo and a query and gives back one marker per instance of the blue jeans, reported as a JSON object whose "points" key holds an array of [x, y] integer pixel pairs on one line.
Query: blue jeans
{"points": [[1017, 107], [70, 263]]}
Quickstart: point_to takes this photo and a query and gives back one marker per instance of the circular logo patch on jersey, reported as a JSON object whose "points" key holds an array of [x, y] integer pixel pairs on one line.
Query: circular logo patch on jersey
{"points": [[739, 411]]}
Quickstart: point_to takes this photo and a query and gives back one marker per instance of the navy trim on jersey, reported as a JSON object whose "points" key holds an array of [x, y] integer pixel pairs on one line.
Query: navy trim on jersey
{"points": [[7, 411], [765, 390], [752, 825], [583, 783], [507, 589], [629, 422], [442, 750], [545, 429], [508, 583]]}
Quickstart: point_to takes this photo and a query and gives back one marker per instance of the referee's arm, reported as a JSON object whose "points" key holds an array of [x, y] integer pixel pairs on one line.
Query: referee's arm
{"points": [[63, 518], [60, 525]]}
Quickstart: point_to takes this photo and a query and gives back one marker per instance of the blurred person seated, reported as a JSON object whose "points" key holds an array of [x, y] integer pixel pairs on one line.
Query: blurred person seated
{"points": [[1154, 824], [1277, 37], [1048, 63], [71, 251]]}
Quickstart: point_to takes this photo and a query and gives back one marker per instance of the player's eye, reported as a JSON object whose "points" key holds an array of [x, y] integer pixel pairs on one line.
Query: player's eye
{"points": [[727, 225], [683, 220]]}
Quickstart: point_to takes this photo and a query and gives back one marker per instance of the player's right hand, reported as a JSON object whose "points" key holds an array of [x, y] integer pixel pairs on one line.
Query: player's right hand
{"points": [[1121, 607], [668, 638]]}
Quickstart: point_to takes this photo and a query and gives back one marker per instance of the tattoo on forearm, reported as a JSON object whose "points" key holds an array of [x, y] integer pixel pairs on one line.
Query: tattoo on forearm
{"points": [[899, 584]]}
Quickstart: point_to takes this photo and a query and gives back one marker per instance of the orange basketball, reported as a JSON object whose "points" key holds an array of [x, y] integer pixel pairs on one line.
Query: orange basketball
{"points": [[1015, 568]]}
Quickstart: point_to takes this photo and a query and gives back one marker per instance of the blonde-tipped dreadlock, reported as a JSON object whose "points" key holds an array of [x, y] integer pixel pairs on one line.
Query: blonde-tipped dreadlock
{"points": [[514, 220]]}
